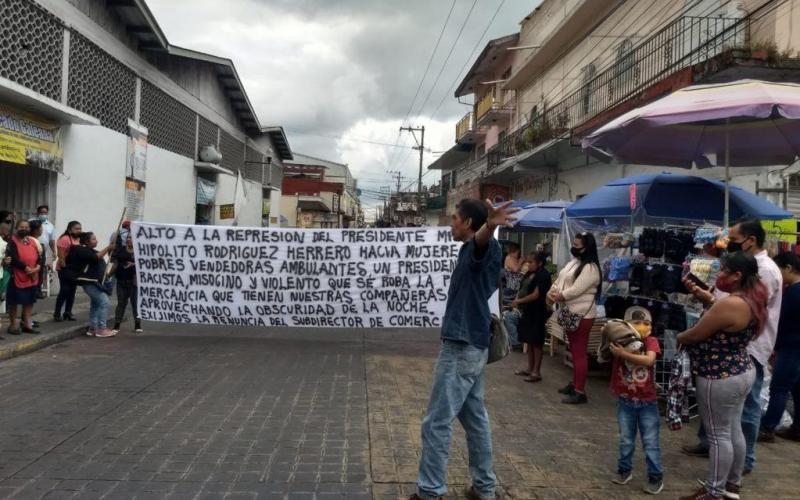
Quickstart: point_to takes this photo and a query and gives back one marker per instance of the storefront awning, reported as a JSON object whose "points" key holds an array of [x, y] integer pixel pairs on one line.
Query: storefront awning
{"points": [[313, 203]]}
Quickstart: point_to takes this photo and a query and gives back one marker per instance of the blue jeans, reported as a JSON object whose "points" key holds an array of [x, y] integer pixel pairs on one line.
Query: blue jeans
{"points": [[751, 418], [639, 417], [99, 307], [785, 380], [458, 392], [511, 319]]}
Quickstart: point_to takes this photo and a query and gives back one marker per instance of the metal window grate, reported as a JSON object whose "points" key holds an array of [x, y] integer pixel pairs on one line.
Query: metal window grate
{"points": [[253, 171], [232, 150], [31, 47], [99, 85], [170, 124], [207, 134]]}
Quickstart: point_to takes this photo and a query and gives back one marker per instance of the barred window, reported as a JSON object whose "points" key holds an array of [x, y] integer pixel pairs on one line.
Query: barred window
{"points": [[99, 85], [31, 47], [170, 124]]}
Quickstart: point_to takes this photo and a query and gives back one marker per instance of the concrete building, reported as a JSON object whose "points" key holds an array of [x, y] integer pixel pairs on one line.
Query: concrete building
{"points": [[100, 112], [576, 65], [320, 193]]}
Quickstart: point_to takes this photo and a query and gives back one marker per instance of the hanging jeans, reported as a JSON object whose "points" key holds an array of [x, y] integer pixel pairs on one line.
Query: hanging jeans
{"points": [[578, 347], [458, 393]]}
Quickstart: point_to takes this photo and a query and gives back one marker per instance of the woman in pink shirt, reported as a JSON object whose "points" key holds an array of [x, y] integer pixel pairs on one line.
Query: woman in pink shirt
{"points": [[23, 287], [67, 284]]}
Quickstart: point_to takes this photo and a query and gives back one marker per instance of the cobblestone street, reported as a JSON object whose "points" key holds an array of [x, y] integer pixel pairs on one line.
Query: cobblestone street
{"points": [[300, 414]]}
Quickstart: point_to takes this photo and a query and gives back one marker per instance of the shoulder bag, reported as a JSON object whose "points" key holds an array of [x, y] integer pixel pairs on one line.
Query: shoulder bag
{"points": [[498, 339], [570, 320]]}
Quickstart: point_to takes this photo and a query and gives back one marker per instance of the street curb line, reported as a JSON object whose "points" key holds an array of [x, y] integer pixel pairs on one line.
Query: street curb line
{"points": [[39, 342]]}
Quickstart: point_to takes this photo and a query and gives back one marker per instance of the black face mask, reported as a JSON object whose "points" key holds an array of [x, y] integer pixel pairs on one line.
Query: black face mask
{"points": [[734, 246], [23, 233], [576, 252]]}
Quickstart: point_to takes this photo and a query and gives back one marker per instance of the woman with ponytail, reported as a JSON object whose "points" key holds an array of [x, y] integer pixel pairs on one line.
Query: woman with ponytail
{"points": [[725, 373]]}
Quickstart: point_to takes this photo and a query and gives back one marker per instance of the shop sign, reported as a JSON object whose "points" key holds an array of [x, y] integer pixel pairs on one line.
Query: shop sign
{"points": [[227, 211], [134, 199], [28, 140], [137, 152]]}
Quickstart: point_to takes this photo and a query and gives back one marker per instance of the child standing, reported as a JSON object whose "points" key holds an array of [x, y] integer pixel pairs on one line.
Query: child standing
{"points": [[632, 380]]}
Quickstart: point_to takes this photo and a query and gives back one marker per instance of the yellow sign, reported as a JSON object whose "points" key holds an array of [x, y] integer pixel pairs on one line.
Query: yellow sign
{"points": [[28, 140], [782, 230], [226, 211]]}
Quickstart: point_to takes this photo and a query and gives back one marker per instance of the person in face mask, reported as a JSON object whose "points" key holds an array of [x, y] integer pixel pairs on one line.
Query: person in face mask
{"points": [[725, 370], [748, 237], [23, 286], [577, 288], [47, 239]]}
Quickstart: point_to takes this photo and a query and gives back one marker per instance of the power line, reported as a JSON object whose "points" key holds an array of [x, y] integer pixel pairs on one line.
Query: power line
{"points": [[354, 139], [425, 73]]}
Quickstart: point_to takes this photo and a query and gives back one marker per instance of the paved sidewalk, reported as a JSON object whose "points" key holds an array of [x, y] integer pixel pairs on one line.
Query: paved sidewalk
{"points": [[51, 332], [211, 413]]}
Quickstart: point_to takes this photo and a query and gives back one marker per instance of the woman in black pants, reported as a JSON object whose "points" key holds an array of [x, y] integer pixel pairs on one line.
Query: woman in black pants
{"points": [[66, 281]]}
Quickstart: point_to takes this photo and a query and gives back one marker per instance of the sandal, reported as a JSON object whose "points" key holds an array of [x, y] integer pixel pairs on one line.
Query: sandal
{"points": [[522, 373], [533, 379]]}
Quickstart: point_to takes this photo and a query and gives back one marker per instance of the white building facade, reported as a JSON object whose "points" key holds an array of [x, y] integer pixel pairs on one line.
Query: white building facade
{"points": [[90, 71]]}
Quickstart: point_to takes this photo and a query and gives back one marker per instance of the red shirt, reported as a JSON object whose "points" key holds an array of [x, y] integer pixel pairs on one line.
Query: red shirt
{"points": [[65, 242], [28, 252], [635, 382]]}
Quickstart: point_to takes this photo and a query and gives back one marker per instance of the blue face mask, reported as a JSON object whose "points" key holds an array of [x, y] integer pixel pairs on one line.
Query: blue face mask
{"points": [[43, 218]]}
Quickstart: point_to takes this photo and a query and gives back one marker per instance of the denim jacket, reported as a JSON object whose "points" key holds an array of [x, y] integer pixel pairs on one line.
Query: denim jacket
{"points": [[467, 318]]}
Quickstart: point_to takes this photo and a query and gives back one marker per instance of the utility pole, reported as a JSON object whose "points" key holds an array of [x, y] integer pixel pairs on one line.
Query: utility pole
{"points": [[396, 175], [421, 147]]}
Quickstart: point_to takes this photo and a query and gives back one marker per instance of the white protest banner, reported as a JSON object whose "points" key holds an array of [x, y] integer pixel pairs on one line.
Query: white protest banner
{"points": [[351, 278]]}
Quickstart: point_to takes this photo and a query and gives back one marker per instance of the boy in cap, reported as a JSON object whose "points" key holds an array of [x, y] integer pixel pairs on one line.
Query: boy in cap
{"points": [[632, 380]]}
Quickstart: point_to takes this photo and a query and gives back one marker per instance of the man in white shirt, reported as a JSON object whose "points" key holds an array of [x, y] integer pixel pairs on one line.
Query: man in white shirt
{"points": [[48, 240], [749, 236]]}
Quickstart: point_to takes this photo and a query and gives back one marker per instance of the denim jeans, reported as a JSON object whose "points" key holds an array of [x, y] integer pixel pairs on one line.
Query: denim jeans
{"points": [[639, 417], [511, 319], [99, 306], [751, 418], [785, 381], [458, 392]]}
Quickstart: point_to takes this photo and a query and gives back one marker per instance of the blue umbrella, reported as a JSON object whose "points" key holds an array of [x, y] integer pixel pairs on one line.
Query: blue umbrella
{"points": [[675, 197], [541, 216]]}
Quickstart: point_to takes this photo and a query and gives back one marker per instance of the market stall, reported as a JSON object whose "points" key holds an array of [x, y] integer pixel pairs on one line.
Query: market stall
{"points": [[652, 230]]}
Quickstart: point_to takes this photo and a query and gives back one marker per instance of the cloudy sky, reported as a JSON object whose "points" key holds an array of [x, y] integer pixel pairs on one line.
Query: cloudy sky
{"points": [[337, 73]]}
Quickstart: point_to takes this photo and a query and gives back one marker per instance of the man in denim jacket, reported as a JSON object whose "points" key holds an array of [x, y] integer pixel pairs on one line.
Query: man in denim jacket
{"points": [[458, 383]]}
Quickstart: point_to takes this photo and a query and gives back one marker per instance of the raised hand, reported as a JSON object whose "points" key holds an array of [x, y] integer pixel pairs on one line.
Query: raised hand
{"points": [[501, 215]]}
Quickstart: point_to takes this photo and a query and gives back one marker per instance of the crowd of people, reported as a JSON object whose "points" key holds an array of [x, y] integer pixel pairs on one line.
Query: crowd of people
{"points": [[30, 251], [750, 323]]}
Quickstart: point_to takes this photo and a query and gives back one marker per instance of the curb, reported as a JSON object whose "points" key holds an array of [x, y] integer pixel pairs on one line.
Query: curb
{"points": [[39, 342]]}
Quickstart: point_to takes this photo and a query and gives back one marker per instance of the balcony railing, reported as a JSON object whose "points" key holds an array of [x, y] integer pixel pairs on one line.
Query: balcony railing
{"points": [[684, 42], [464, 125]]}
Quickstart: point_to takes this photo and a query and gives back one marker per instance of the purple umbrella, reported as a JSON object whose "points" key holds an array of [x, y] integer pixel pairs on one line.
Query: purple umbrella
{"points": [[744, 123]]}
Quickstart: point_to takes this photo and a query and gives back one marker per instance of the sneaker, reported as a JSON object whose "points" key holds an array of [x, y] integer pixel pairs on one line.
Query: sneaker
{"points": [[116, 327], [89, 331], [653, 486], [731, 490], [697, 450], [138, 327], [575, 398], [567, 389], [702, 494], [789, 433], [766, 436], [622, 477], [104, 333]]}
